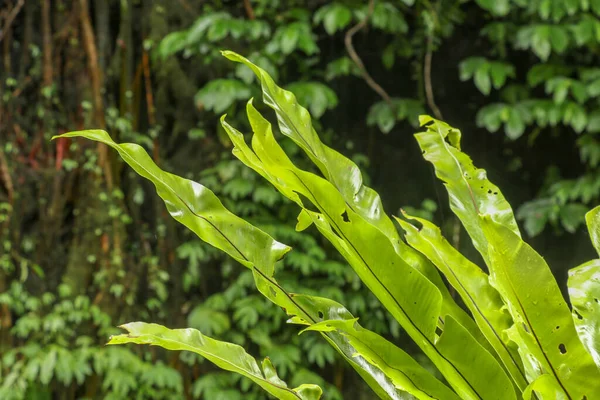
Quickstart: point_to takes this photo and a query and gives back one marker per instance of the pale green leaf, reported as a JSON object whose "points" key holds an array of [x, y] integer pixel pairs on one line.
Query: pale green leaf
{"points": [[227, 356], [360, 238], [531, 293]]}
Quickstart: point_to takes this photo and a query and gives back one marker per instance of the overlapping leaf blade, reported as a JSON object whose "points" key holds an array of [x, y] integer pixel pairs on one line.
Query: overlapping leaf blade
{"points": [[295, 122], [584, 292], [531, 293], [402, 369], [470, 192], [199, 209], [227, 356], [473, 286], [410, 297], [519, 274]]}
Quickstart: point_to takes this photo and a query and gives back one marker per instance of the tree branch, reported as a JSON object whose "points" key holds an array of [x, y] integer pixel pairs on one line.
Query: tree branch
{"points": [[5, 176], [427, 79], [11, 17], [357, 60], [47, 44], [249, 9]]}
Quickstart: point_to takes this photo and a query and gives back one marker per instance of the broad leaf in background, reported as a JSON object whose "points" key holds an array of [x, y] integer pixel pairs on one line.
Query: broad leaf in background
{"points": [[218, 95], [316, 96], [386, 115], [486, 73], [334, 17], [227, 356]]}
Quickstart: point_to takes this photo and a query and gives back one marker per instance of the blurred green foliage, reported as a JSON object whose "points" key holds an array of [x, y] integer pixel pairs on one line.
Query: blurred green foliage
{"points": [[69, 270]]}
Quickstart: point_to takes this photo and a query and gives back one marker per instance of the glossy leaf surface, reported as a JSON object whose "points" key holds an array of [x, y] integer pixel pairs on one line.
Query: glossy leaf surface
{"points": [[345, 176], [473, 286], [528, 287], [199, 209], [584, 291], [521, 276], [471, 193], [403, 370], [227, 356], [411, 298]]}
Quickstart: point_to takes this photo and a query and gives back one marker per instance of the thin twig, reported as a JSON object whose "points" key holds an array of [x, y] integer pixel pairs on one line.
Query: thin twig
{"points": [[11, 17], [48, 72], [438, 114], [185, 5], [249, 9], [354, 56], [5, 176], [150, 101], [148, 85], [427, 79]]}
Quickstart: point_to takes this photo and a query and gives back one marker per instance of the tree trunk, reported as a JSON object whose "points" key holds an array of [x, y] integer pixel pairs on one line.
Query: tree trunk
{"points": [[47, 44], [102, 35], [27, 38]]}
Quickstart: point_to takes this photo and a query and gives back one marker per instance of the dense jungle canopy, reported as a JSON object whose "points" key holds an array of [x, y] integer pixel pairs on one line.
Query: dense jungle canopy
{"points": [[86, 245]]}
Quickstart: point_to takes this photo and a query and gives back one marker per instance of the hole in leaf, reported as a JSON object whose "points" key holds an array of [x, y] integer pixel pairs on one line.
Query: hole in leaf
{"points": [[438, 331], [557, 327], [577, 314], [562, 348], [321, 314], [489, 191], [335, 231], [495, 193], [345, 216], [596, 300], [307, 203]]}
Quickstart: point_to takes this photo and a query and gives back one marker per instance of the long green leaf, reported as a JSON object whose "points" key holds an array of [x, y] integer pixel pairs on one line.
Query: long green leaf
{"points": [[402, 369], [473, 286], [526, 284], [470, 192], [519, 274], [411, 298], [199, 209], [592, 220], [227, 356], [584, 292], [295, 122]]}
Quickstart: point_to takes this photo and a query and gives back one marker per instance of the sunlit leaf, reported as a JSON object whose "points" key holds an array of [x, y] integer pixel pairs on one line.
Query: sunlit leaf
{"points": [[227, 356]]}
